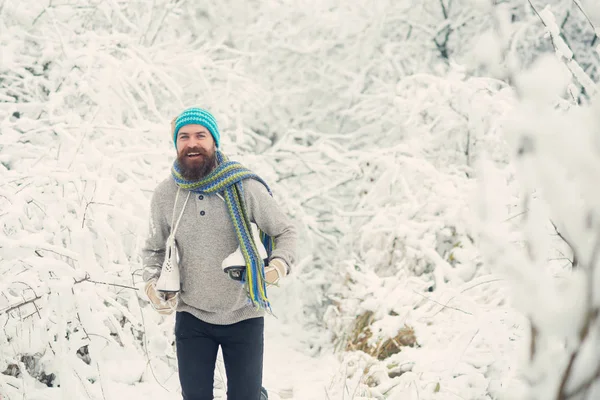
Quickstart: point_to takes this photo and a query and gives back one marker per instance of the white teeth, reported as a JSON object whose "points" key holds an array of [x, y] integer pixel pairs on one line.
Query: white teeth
{"points": [[193, 154]]}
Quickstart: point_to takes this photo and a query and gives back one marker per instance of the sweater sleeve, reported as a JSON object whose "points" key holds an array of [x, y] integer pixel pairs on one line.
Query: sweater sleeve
{"points": [[153, 252], [264, 211]]}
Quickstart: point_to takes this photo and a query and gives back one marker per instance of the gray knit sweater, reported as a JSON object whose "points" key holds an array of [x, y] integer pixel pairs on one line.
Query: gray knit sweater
{"points": [[205, 237]]}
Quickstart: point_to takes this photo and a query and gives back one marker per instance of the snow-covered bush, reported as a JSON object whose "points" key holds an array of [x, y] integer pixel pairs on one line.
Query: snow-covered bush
{"points": [[82, 145], [409, 253], [419, 240], [523, 27], [557, 160], [355, 113]]}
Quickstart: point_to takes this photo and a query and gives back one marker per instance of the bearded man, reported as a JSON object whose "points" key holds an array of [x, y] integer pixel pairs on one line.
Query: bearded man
{"points": [[207, 207]]}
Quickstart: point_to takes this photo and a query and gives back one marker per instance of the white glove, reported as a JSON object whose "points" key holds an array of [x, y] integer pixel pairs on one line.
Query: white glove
{"points": [[164, 303], [276, 270]]}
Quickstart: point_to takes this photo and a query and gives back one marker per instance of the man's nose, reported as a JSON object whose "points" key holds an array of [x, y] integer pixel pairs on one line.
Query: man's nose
{"points": [[193, 142]]}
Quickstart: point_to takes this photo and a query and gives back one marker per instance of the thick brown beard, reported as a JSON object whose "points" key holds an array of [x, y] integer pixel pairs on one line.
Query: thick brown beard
{"points": [[196, 172]]}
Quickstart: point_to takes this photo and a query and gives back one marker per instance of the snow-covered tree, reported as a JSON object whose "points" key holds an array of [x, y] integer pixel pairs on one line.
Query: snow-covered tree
{"points": [[368, 119], [557, 161]]}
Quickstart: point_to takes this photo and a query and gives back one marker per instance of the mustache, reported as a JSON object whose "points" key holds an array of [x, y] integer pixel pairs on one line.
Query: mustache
{"points": [[195, 150]]}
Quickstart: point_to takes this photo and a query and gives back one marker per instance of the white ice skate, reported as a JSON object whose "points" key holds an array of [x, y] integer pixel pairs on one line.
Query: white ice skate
{"points": [[235, 265], [168, 282]]}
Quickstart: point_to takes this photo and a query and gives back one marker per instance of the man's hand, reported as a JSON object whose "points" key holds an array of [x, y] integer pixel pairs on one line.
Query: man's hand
{"points": [[276, 270], [164, 303]]}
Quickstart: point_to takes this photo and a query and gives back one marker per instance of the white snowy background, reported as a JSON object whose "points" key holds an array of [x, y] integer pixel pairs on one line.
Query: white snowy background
{"points": [[441, 159]]}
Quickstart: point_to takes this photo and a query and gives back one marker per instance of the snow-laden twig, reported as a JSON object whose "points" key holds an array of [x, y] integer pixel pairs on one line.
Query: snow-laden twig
{"points": [[563, 51]]}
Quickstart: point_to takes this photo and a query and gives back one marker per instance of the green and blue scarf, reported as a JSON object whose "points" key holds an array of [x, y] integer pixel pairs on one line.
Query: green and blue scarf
{"points": [[227, 178]]}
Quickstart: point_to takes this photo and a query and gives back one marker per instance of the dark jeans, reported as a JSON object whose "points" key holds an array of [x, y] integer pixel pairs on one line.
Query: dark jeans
{"points": [[197, 346]]}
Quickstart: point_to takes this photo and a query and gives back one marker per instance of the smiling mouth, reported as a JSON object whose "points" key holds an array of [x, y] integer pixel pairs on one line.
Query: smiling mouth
{"points": [[194, 155]]}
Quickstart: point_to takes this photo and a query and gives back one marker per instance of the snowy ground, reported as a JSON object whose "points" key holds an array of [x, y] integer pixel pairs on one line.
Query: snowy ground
{"points": [[468, 350], [290, 372], [467, 354]]}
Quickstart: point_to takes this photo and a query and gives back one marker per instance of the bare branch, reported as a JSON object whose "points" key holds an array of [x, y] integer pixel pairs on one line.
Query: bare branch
{"points": [[38, 297], [575, 260], [585, 385], [18, 305], [578, 4]]}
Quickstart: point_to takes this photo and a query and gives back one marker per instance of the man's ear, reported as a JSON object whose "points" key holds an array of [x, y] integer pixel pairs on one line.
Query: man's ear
{"points": [[173, 126]]}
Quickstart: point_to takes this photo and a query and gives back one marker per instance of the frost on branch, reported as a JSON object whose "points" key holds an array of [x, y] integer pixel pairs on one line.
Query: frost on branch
{"points": [[557, 157]]}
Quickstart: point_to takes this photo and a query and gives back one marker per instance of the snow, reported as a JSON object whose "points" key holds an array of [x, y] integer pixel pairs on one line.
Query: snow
{"points": [[429, 193]]}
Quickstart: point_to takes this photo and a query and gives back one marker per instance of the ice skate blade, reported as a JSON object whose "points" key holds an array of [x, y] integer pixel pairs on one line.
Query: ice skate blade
{"points": [[168, 291]]}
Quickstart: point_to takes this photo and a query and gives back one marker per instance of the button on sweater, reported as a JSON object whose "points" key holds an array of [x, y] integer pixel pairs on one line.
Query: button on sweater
{"points": [[205, 237]]}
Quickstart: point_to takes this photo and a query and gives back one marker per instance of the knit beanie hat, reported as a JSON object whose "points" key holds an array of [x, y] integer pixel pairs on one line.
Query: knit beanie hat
{"points": [[198, 116]]}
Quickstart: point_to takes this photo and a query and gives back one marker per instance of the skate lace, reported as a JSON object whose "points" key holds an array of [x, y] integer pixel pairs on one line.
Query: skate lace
{"points": [[171, 238]]}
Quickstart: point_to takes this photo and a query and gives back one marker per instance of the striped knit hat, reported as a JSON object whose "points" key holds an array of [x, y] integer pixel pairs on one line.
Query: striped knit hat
{"points": [[198, 116]]}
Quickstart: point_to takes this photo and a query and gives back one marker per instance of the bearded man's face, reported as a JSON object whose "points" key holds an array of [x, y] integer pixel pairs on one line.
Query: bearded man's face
{"points": [[196, 152]]}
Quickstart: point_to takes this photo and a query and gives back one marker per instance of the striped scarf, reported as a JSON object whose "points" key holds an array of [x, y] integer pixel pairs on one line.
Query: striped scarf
{"points": [[227, 178]]}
